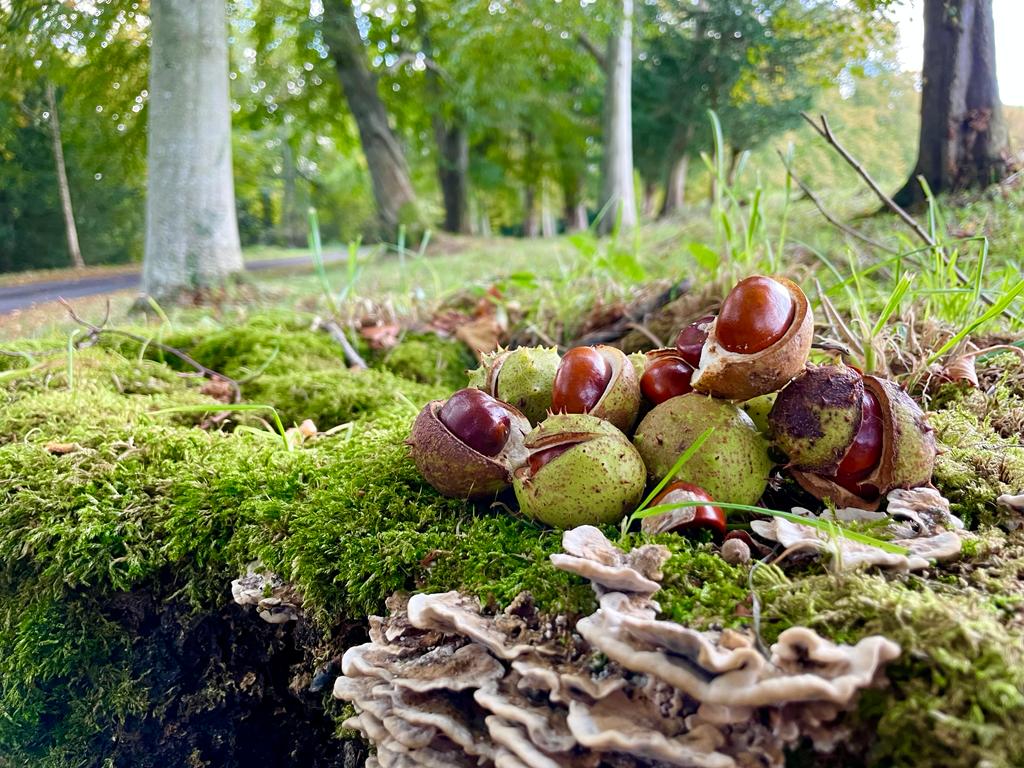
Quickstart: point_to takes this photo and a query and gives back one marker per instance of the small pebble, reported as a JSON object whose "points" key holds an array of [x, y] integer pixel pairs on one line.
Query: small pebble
{"points": [[735, 551]]}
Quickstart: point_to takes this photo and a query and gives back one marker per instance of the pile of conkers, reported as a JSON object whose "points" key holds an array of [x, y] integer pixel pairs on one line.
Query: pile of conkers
{"points": [[563, 431]]}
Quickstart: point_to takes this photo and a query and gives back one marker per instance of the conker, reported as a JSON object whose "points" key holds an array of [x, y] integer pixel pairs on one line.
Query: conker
{"points": [[477, 419], [757, 313], [865, 452], [690, 340], [759, 341], [667, 375], [469, 445], [685, 519], [582, 378], [599, 381]]}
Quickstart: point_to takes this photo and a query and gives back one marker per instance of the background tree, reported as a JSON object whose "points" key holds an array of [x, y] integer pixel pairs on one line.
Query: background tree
{"points": [[963, 139], [392, 188], [191, 229]]}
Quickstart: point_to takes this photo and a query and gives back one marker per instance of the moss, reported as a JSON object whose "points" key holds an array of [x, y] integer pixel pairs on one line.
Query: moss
{"points": [[429, 359], [959, 678], [975, 464], [333, 397]]}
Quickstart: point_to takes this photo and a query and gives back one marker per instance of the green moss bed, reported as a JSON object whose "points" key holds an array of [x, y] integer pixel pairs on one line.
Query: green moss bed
{"points": [[121, 530]]}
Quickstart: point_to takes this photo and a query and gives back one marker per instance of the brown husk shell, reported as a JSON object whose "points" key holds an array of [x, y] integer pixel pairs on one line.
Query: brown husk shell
{"points": [[908, 451], [734, 376], [455, 469], [620, 402]]}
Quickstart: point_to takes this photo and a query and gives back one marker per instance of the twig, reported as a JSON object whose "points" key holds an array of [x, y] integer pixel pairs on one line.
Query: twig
{"points": [[635, 314], [645, 331], [829, 217], [588, 45], [95, 331], [825, 131], [353, 357]]}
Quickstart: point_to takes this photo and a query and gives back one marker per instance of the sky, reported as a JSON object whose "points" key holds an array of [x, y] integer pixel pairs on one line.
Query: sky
{"points": [[1009, 20]]}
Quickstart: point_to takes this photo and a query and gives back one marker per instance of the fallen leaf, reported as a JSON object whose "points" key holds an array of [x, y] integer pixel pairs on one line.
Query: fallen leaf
{"points": [[381, 336], [219, 389], [481, 335]]}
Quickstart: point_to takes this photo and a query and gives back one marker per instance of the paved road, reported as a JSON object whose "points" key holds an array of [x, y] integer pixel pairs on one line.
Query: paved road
{"points": [[20, 296]]}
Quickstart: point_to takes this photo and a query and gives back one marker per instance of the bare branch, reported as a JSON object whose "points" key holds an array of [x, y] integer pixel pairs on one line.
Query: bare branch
{"points": [[351, 355], [588, 45], [842, 227], [409, 57], [95, 331]]}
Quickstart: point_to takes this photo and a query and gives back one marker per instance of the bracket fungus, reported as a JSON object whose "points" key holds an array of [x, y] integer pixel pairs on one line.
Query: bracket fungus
{"points": [[276, 601], [662, 694]]}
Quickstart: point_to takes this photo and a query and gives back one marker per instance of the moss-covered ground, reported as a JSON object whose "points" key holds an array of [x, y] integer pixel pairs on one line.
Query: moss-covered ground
{"points": [[121, 529]]}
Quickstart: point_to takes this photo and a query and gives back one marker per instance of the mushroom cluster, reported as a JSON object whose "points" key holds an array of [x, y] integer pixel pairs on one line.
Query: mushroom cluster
{"points": [[580, 436], [443, 683]]}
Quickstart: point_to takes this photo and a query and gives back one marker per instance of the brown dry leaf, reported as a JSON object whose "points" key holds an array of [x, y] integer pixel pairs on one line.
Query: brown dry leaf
{"points": [[961, 369], [447, 321], [481, 335], [383, 336], [219, 389]]}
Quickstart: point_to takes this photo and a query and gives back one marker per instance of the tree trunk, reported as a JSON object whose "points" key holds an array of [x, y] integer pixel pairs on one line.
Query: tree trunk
{"points": [[575, 209], [963, 138], [70, 228], [650, 190], [392, 189], [453, 173], [294, 203], [548, 226], [451, 139], [675, 186], [619, 197], [191, 227], [530, 224]]}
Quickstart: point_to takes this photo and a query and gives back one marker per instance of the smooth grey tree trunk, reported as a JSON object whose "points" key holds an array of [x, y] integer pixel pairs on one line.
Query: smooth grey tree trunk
{"points": [[70, 228], [963, 138], [531, 222], [191, 228], [389, 174], [618, 190]]}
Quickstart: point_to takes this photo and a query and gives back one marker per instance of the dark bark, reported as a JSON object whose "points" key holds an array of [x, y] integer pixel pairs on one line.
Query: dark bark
{"points": [[451, 138], [679, 164], [392, 189], [293, 215], [453, 173], [650, 190], [963, 139]]}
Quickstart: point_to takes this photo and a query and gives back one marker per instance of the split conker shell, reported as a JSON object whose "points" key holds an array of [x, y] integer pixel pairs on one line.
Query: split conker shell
{"points": [[908, 452], [816, 417], [455, 469], [620, 402], [521, 377], [739, 376], [597, 480], [733, 465]]}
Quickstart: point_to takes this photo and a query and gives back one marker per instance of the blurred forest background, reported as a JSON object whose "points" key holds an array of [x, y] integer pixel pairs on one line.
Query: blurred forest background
{"points": [[496, 106]]}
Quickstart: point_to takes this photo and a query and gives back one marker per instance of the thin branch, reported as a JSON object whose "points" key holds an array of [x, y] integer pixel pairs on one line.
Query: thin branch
{"points": [[825, 131], [429, 63], [588, 45], [351, 355], [835, 222], [95, 331]]}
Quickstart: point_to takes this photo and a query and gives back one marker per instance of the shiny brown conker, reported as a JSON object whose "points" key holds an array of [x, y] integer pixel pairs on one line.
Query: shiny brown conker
{"points": [[704, 516], [667, 375], [757, 313], [690, 340], [581, 380], [477, 419]]}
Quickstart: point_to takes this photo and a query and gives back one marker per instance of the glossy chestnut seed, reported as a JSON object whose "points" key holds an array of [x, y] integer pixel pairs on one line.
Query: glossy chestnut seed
{"points": [[546, 456], [697, 517], [582, 377], [866, 450], [477, 419], [756, 314], [690, 340], [667, 376]]}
